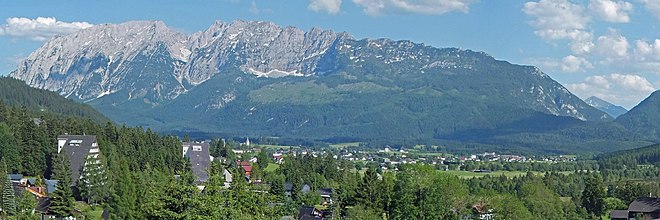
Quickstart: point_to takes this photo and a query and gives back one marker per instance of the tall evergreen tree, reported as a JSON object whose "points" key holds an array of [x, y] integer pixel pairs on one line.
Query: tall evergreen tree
{"points": [[94, 177], [369, 195], [593, 195], [9, 149], [25, 205], [8, 200], [61, 200]]}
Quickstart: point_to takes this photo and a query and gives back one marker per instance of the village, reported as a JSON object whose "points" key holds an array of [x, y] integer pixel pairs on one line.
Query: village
{"points": [[84, 151]]}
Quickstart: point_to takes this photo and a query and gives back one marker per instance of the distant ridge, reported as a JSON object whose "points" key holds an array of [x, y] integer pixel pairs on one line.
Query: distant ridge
{"points": [[609, 108]]}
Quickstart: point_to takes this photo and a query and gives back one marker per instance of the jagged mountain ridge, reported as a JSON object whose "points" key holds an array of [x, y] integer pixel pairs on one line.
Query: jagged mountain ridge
{"points": [[256, 78], [609, 108], [91, 63]]}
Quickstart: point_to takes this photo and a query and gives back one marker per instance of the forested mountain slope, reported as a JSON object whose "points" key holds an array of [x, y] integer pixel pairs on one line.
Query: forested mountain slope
{"points": [[14, 92]]}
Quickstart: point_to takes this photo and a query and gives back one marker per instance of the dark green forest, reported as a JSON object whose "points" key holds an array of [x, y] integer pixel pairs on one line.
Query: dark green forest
{"points": [[14, 92]]}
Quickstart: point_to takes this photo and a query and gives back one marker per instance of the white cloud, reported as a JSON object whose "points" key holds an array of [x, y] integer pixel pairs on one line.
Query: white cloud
{"points": [[255, 9], [561, 20], [39, 29], [431, 7], [329, 6], [612, 46], [572, 64], [653, 6], [647, 55], [647, 51], [623, 89], [568, 64], [611, 11]]}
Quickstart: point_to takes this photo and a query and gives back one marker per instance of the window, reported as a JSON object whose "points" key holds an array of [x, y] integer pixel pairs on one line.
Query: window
{"points": [[197, 148]]}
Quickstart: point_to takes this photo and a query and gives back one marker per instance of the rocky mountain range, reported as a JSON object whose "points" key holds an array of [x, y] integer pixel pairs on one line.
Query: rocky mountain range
{"points": [[252, 78], [609, 108]]}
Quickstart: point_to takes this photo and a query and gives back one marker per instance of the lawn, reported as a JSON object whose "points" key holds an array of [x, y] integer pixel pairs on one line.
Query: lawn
{"points": [[93, 212], [269, 146], [271, 167], [345, 145], [470, 174], [96, 213]]}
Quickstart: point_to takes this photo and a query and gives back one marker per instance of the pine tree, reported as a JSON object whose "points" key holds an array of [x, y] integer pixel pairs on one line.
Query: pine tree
{"points": [[25, 205], [593, 195], [9, 149], [94, 177], [61, 201], [369, 196], [8, 200]]}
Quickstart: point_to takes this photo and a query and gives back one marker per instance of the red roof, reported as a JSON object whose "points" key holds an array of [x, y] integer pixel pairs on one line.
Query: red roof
{"points": [[247, 168]]}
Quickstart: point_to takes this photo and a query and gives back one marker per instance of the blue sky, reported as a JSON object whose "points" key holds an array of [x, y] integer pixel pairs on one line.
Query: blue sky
{"points": [[606, 48]]}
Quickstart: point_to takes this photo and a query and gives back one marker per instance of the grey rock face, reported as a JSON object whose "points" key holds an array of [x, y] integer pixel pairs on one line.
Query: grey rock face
{"points": [[109, 58]]}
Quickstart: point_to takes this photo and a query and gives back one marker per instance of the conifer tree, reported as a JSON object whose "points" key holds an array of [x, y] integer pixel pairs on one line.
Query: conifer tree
{"points": [[61, 200], [8, 200], [94, 177], [593, 195]]}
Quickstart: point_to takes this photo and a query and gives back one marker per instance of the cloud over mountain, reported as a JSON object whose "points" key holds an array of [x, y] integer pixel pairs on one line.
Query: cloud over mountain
{"points": [[39, 29]]}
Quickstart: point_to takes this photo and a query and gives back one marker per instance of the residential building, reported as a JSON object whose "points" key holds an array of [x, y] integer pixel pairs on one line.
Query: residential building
{"points": [[326, 196], [644, 207], [309, 213], [200, 158], [79, 148], [247, 167]]}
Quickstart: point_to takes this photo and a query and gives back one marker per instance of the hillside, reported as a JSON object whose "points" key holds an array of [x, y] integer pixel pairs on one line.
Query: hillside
{"points": [[258, 79], [644, 118], [649, 155], [609, 108], [14, 92]]}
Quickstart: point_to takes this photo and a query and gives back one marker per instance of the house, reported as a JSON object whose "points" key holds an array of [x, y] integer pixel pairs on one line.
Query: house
{"points": [[481, 211], [78, 148], [247, 167], [309, 213], [228, 178], [15, 177], [646, 207], [619, 215], [253, 160], [51, 186], [42, 208], [326, 196], [200, 158], [277, 157]]}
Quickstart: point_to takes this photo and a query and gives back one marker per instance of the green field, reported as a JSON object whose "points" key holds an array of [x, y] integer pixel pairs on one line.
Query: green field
{"points": [[271, 167], [93, 212], [268, 146], [345, 145], [470, 174]]}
